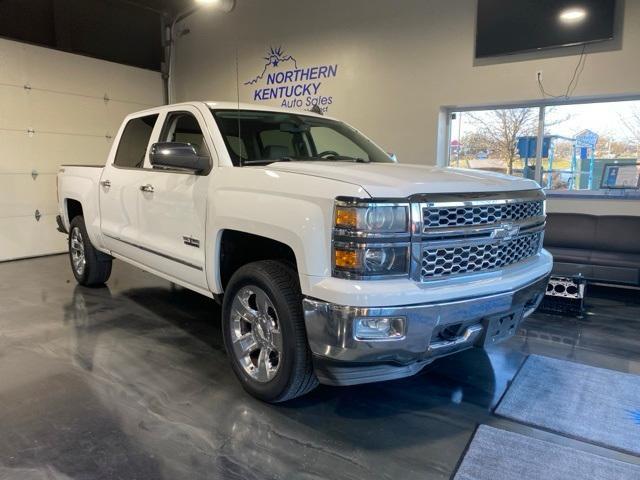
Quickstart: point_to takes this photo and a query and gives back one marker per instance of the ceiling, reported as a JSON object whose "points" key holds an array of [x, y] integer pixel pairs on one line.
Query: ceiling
{"points": [[123, 31], [171, 7]]}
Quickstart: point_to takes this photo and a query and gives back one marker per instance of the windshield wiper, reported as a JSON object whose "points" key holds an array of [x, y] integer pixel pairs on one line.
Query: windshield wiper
{"points": [[333, 158], [266, 161], [342, 158]]}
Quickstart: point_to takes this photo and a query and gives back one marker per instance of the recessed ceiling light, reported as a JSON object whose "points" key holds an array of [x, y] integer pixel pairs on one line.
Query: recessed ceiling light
{"points": [[573, 15], [224, 5]]}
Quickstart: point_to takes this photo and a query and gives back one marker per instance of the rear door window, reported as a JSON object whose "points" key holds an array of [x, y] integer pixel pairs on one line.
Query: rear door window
{"points": [[134, 141]]}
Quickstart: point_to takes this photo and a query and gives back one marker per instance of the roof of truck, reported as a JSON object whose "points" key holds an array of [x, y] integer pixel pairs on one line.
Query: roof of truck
{"points": [[225, 106], [256, 106]]}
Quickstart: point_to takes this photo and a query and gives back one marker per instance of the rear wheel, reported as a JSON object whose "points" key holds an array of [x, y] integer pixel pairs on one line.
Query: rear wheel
{"points": [[90, 267], [264, 332]]}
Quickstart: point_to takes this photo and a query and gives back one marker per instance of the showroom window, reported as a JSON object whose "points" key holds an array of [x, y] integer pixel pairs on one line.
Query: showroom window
{"points": [[588, 148], [133, 144]]}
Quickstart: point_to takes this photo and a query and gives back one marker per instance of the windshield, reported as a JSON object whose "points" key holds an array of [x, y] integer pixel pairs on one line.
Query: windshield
{"points": [[260, 138]]}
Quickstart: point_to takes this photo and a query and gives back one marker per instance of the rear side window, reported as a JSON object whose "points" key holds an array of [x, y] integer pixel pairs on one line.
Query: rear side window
{"points": [[134, 141]]}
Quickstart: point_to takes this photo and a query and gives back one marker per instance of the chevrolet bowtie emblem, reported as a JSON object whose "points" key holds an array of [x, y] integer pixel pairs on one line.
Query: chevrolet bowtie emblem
{"points": [[506, 231]]}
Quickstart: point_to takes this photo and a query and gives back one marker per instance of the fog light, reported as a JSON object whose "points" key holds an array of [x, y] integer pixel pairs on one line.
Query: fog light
{"points": [[379, 328]]}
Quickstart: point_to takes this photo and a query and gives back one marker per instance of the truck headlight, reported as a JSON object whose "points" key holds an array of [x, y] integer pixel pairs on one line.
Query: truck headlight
{"points": [[370, 239], [354, 261], [373, 218]]}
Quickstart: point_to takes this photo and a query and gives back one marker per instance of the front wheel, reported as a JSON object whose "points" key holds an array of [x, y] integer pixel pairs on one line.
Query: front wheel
{"points": [[90, 267], [264, 333]]}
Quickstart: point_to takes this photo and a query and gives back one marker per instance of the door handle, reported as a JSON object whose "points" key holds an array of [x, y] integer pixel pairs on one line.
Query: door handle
{"points": [[148, 188], [105, 183]]}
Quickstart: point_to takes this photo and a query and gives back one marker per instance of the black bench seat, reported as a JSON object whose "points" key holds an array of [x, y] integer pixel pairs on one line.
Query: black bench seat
{"points": [[601, 248]]}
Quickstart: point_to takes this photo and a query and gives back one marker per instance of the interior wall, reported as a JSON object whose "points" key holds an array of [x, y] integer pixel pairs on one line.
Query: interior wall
{"points": [[56, 108], [399, 65]]}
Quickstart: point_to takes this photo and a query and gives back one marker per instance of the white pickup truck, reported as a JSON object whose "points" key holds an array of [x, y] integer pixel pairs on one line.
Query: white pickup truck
{"points": [[333, 263]]}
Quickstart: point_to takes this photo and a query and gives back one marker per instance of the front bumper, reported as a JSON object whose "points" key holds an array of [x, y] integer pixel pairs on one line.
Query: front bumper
{"points": [[340, 359]]}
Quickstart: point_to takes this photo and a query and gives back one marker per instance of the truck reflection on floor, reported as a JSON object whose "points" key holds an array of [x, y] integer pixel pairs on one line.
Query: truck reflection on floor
{"points": [[80, 313], [96, 314]]}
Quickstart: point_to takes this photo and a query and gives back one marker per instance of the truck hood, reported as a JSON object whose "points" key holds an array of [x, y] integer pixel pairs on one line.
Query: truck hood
{"points": [[394, 180]]}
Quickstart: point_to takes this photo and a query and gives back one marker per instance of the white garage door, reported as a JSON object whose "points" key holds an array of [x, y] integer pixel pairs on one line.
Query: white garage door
{"points": [[55, 108]]}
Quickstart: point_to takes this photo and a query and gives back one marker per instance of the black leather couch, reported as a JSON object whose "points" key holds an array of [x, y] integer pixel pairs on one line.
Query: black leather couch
{"points": [[601, 248]]}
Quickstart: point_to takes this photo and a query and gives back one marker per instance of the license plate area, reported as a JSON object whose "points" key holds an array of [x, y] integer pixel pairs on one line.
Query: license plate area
{"points": [[501, 327]]}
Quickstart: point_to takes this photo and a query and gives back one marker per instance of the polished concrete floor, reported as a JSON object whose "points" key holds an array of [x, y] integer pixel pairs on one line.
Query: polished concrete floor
{"points": [[131, 381]]}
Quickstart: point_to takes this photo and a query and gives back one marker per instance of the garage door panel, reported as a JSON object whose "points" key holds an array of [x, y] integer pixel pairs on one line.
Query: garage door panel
{"points": [[15, 152], [62, 118], [49, 69], [54, 112], [25, 237], [59, 113], [21, 195], [14, 109], [21, 153], [92, 77], [13, 67], [68, 150], [120, 88]]}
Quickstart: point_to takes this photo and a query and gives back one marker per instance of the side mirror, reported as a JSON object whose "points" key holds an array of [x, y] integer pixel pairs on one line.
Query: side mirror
{"points": [[181, 156], [393, 157]]}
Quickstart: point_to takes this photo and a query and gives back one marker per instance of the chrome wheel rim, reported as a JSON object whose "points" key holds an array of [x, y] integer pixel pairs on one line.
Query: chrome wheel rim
{"points": [[255, 333], [77, 251]]}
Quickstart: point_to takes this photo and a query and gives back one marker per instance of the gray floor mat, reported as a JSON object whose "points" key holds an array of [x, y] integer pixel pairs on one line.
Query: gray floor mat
{"points": [[501, 455], [588, 403]]}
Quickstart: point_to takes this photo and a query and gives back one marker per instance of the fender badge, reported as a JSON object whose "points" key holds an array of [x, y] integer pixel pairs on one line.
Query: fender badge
{"points": [[192, 242]]}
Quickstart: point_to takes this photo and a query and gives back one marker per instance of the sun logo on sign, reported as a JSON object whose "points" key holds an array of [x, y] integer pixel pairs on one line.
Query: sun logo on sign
{"points": [[275, 56]]}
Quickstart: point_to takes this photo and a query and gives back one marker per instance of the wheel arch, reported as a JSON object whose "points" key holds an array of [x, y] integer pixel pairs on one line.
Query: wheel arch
{"points": [[236, 248], [72, 208]]}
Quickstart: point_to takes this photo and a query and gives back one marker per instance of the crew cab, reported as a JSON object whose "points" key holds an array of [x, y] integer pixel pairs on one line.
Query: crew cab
{"points": [[333, 263]]}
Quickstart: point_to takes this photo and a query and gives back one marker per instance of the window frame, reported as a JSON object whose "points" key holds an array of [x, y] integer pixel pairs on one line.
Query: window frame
{"points": [[541, 106]]}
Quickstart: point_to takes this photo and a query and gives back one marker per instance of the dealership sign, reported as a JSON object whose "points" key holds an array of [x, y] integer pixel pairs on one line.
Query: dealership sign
{"points": [[292, 86]]}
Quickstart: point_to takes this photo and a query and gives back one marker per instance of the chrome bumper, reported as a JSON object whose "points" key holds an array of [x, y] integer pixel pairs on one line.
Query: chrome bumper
{"points": [[341, 359]]}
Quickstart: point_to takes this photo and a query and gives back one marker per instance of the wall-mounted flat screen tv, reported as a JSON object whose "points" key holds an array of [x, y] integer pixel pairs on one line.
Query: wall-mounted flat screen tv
{"points": [[510, 26]]}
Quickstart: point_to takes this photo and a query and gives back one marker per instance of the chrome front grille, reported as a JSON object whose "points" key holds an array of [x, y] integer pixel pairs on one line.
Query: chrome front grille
{"points": [[442, 261], [434, 217], [470, 233]]}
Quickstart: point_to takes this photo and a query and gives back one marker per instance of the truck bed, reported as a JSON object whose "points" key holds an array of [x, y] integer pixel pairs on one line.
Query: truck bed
{"points": [[80, 183]]}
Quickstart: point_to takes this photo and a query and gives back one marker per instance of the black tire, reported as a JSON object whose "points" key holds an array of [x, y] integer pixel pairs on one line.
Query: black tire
{"points": [[97, 266], [295, 375]]}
